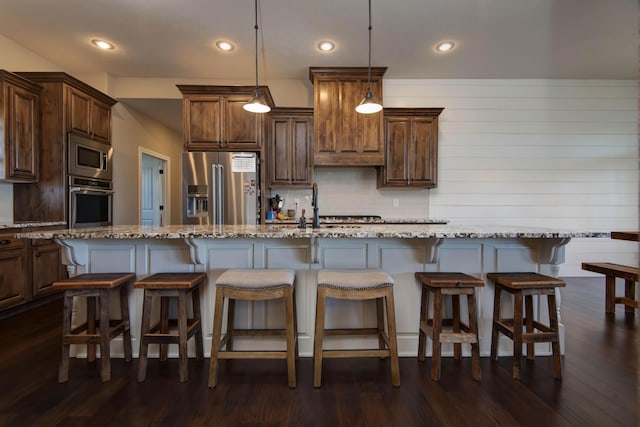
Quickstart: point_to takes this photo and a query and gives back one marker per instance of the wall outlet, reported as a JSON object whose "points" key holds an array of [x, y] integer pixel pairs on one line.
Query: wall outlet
{"points": [[396, 203]]}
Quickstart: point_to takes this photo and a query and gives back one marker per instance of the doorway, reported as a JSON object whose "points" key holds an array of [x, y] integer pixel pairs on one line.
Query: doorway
{"points": [[154, 183]]}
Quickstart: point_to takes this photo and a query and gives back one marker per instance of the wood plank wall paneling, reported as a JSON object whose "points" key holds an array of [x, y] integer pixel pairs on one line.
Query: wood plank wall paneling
{"points": [[550, 153], [553, 153]]}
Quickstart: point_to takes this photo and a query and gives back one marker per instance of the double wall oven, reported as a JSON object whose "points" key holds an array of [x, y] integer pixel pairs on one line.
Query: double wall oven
{"points": [[90, 187]]}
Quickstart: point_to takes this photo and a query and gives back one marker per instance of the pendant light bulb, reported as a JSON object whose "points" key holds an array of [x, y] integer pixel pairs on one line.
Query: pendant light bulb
{"points": [[369, 105], [257, 103]]}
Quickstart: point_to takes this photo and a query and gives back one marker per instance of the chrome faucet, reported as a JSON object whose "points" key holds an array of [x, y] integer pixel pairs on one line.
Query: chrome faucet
{"points": [[314, 203]]}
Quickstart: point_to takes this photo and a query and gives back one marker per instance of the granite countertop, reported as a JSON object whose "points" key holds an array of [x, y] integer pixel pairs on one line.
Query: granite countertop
{"points": [[21, 225], [360, 220], [336, 231]]}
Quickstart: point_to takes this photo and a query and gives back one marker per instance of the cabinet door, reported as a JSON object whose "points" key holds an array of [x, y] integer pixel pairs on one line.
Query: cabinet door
{"points": [[241, 127], [203, 122], [301, 146], [397, 135], [13, 273], [79, 111], [46, 266], [326, 110], [344, 137], [289, 151], [22, 134], [422, 153], [100, 121]]}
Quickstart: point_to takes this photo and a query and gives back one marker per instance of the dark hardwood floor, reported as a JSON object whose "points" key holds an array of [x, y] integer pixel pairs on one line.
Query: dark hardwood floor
{"points": [[600, 385]]}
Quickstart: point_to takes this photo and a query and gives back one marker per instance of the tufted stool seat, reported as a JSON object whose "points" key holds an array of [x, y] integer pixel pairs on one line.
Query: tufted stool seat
{"points": [[526, 285], [357, 285], [95, 287], [253, 285], [166, 286]]}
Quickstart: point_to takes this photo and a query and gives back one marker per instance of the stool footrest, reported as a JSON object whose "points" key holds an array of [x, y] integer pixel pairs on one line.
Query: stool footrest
{"points": [[352, 331], [256, 332], [342, 354], [628, 302], [155, 337], [252, 354]]}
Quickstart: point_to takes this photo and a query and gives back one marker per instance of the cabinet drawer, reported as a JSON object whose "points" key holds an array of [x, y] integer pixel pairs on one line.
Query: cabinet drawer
{"points": [[7, 241]]}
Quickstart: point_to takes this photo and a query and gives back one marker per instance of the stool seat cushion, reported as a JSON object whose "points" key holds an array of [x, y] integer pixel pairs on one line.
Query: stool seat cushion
{"points": [[353, 279], [525, 280], [94, 281], [256, 278], [171, 281]]}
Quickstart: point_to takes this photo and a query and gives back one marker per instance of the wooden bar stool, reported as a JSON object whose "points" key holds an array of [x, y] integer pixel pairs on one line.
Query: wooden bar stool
{"points": [[454, 284], [357, 285], [166, 286], [526, 285], [96, 288], [253, 285]]}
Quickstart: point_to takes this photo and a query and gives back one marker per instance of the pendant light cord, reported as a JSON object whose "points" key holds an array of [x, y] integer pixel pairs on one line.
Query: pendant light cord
{"points": [[256, 28], [369, 71]]}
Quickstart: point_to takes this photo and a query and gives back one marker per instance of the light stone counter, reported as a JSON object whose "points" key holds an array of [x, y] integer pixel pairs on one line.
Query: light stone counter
{"points": [[400, 250], [25, 225], [332, 231]]}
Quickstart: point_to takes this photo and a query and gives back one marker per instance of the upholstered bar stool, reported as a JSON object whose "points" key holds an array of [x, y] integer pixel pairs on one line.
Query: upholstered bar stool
{"points": [[95, 287], [171, 331], [526, 285], [439, 285], [357, 285], [253, 285]]}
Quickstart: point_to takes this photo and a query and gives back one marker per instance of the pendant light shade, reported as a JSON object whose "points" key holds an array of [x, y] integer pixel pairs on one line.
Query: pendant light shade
{"points": [[257, 103], [369, 104]]}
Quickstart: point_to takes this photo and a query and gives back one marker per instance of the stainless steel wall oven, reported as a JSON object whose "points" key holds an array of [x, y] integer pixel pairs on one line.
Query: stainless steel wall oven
{"points": [[90, 202]]}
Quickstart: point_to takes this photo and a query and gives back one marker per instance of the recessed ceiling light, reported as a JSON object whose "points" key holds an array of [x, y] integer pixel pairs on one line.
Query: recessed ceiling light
{"points": [[445, 46], [102, 44], [326, 46], [225, 45]]}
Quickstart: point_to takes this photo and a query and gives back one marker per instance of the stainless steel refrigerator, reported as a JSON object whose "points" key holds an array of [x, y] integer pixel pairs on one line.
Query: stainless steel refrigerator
{"points": [[220, 188]]}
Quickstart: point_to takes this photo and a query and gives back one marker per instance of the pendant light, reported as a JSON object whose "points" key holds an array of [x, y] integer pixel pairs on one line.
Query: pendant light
{"points": [[369, 105], [257, 103]]}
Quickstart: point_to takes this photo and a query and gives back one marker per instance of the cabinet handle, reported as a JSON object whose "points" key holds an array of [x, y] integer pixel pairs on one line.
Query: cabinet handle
{"points": [[4, 242]]}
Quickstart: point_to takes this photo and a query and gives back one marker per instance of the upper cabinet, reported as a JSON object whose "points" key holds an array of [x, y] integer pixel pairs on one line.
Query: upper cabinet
{"points": [[289, 147], [411, 148], [88, 116], [19, 128], [215, 120], [342, 136]]}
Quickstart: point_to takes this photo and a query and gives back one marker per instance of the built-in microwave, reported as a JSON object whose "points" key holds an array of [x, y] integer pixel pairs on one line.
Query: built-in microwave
{"points": [[89, 158]]}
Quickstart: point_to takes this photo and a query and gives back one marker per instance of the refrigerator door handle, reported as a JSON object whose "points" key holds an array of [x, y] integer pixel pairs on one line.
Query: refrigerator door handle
{"points": [[221, 199], [214, 194]]}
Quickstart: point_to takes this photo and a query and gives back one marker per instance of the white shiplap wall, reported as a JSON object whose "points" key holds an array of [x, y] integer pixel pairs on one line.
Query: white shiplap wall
{"points": [[552, 153]]}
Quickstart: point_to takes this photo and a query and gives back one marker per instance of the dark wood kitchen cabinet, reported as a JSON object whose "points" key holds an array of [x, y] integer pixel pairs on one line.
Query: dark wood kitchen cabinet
{"points": [[19, 128], [289, 148], [88, 116], [66, 105], [46, 266], [28, 268], [215, 120], [411, 148], [342, 136], [14, 287]]}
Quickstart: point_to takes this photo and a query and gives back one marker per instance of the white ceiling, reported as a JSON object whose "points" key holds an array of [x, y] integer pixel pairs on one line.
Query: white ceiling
{"points": [[558, 39]]}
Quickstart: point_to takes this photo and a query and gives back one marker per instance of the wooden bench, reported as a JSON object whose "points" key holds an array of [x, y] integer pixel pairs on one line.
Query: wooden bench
{"points": [[612, 271]]}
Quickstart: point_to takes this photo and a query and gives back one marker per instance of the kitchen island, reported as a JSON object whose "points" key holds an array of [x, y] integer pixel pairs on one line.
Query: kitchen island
{"points": [[399, 250]]}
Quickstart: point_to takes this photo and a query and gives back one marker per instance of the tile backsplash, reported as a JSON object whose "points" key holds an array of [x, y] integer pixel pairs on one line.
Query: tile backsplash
{"points": [[352, 191], [6, 203]]}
